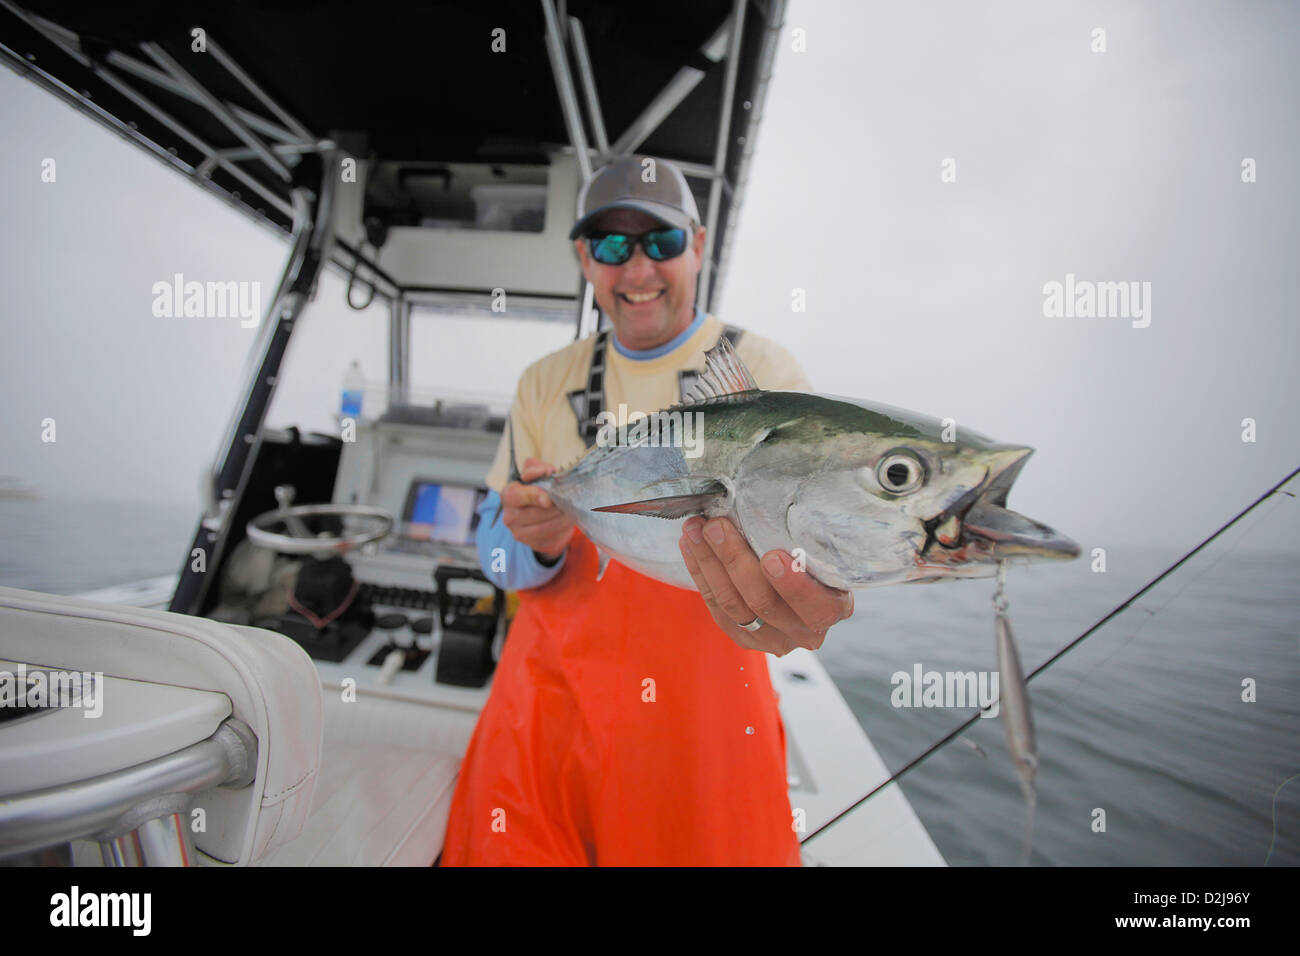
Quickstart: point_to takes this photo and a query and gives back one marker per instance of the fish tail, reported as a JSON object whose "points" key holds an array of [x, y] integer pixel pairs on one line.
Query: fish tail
{"points": [[510, 437], [514, 468]]}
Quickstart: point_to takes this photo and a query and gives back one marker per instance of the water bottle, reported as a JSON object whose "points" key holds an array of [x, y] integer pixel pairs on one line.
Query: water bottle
{"points": [[353, 383]]}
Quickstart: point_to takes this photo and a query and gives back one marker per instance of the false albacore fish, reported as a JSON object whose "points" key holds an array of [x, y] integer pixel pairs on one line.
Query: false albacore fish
{"points": [[868, 494]]}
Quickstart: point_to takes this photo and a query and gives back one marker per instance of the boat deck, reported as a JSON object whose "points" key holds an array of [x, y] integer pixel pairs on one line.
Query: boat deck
{"points": [[831, 760]]}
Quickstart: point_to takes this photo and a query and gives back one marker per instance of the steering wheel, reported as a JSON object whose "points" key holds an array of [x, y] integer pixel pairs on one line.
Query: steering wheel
{"points": [[298, 539]]}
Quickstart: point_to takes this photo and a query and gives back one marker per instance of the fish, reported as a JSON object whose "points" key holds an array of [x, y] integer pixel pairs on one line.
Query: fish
{"points": [[861, 494]]}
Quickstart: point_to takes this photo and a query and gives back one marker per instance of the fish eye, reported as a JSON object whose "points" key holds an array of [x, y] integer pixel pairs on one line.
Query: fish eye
{"points": [[900, 473]]}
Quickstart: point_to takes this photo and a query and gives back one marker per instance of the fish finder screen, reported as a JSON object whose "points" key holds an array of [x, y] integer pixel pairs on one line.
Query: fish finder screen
{"points": [[440, 512]]}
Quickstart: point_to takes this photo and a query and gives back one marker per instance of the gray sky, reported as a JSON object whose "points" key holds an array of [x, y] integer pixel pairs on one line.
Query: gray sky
{"points": [[1115, 166]]}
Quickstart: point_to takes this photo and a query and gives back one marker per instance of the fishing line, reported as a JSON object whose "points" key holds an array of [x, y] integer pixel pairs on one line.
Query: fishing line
{"points": [[1265, 515], [956, 731], [1273, 842]]}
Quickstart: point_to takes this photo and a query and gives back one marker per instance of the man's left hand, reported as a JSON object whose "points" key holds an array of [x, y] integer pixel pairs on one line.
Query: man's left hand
{"points": [[796, 610]]}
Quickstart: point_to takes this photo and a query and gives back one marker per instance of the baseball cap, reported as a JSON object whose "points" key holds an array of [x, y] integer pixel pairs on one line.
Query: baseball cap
{"points": [[622, 185]]}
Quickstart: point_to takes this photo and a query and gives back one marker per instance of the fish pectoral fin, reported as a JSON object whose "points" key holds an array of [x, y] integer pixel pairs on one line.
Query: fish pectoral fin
{"points": [[677, 506], [688, 498]]}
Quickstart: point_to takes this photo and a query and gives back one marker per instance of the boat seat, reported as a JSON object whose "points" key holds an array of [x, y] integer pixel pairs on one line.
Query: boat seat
{"points": [[367, 782], [385, 806], [270, 683], [384, 794]]}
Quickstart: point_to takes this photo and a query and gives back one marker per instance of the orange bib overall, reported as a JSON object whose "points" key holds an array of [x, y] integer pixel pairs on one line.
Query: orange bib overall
{"points": [[623, 728]]}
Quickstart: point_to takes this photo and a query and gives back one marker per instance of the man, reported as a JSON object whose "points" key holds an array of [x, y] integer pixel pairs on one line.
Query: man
{"points": [[631, 722]]}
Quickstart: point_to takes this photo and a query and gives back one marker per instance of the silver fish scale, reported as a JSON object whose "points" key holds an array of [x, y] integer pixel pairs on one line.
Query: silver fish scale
{"points": [[616, 474]]}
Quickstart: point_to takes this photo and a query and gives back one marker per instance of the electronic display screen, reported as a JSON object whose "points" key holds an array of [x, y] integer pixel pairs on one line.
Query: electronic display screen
{"points": [[441, 512]]}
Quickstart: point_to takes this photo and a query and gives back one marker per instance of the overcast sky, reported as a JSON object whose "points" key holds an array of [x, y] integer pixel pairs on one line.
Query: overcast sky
{"points": [[1115, 166]]}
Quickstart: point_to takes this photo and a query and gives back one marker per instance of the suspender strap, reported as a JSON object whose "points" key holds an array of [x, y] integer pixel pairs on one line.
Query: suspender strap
{"points": [[593, 401], [589, 403]]}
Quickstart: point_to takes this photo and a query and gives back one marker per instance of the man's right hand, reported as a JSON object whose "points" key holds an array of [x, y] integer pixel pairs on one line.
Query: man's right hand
{"points": [[532, 517]]}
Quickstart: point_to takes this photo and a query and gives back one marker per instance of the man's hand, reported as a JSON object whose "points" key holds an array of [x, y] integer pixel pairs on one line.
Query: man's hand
{"points": [[532, 517], [796, 610]]}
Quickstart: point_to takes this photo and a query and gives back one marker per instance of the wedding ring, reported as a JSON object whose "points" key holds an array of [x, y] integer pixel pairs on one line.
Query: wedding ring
{"points": [[753, 625]]}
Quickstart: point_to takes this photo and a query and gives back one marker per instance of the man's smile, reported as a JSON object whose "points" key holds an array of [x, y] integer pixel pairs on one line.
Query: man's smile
{"points": [[641, 298]]}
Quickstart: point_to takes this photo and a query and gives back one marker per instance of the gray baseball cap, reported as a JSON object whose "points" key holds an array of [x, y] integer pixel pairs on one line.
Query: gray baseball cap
{"points": [[623, 185]]}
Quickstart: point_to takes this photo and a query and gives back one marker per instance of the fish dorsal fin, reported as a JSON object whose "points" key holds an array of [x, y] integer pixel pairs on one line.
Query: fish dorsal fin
{"points": [[724, 374]]}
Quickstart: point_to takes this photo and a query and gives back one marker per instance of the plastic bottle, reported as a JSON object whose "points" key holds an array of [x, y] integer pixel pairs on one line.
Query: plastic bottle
{"points": [[353, 384]]}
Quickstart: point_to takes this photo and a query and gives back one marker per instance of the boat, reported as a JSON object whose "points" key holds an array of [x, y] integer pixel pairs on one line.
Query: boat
{"points": [[302, 691]]}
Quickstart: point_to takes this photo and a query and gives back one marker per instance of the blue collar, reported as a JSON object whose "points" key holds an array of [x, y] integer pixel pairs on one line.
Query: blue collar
{"points": [[644, 355]]}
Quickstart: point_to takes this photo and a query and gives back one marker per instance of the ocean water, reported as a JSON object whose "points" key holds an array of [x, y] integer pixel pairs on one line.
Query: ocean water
{"points": [[1141, 727], [1144, 720], [64, 546]]}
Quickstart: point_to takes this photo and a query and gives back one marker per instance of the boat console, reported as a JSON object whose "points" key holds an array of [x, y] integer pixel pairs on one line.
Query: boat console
{"points": [[408, 611]]}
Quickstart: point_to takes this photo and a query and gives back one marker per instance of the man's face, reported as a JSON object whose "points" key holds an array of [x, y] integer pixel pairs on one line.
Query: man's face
{"points": [[648, 302]]}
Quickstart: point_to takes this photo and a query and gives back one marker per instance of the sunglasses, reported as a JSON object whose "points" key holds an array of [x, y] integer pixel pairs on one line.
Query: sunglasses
{"points": [[614, 249]]}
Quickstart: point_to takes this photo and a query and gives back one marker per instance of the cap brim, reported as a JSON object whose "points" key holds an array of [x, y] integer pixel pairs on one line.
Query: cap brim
{"points": [[670, 216]]}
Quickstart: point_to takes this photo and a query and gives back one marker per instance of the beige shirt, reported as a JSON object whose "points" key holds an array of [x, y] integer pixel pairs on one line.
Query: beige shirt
{"points": [[542, 418]]}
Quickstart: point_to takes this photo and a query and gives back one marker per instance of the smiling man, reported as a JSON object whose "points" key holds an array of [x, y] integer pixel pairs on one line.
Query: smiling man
{"points": [[631, 722], [650, 298]]}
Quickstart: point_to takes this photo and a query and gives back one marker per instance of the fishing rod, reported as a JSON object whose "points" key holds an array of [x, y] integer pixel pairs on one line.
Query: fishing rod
{"points": [[951, 735]]}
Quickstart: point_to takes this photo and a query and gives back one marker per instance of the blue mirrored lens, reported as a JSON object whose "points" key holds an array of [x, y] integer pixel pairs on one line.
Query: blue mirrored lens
{"points": [[611, 250], [665, 243]]}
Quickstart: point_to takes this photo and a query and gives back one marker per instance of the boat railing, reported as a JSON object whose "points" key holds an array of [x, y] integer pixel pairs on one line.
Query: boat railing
{"points": [[137, 815]]}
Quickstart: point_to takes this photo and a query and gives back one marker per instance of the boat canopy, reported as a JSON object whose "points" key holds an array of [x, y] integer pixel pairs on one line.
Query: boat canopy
{"points": [[506, 83], [459, 118]]}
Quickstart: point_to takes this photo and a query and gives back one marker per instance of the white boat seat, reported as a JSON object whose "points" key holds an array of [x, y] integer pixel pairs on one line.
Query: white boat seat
{"points": [[384, 791], [374, 806], [270, 682]]}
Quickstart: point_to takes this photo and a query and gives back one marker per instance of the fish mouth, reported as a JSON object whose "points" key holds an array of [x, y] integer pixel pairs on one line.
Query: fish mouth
{"points": [[979, 526]]}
